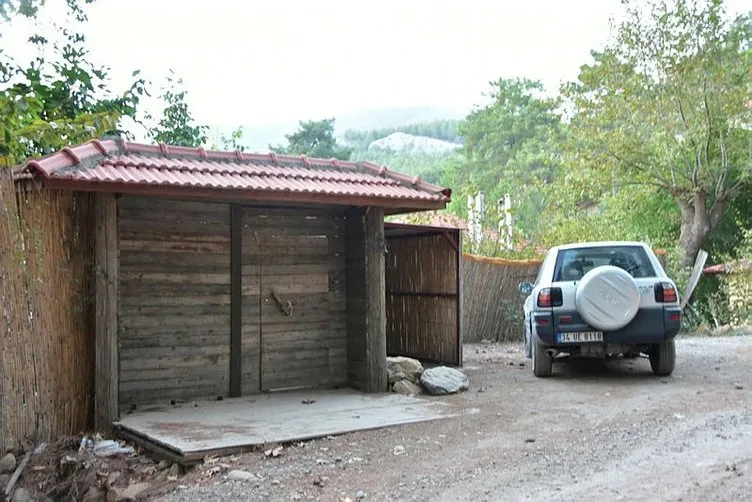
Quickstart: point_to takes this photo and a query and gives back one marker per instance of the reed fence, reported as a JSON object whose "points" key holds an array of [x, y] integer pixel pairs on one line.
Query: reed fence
{"points": [[492, 307], [47, 315]]}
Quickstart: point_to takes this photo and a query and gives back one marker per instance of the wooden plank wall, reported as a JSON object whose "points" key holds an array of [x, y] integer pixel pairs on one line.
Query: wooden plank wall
{"points": [[299, 256], [174, 329], [422, 298]]}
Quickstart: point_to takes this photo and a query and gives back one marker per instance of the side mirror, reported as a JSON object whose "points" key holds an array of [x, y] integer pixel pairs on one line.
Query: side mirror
{"points": [[525, 288]]}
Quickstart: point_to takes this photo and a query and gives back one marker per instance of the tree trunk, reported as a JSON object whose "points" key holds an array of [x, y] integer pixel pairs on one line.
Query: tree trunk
{"points": [[697, 223]]}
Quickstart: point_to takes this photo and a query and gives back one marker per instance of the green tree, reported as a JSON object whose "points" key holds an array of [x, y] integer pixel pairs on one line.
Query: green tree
{"points": [[665, 105], [177, 126], [508, 141], [51, 102], [314, 139]]}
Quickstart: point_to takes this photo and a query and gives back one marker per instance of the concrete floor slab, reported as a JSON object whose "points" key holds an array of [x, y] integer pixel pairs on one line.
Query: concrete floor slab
{"points": [[190, 432]]}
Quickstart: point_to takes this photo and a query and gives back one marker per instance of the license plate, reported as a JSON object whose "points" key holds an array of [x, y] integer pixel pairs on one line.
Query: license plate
{"points": [[580, 337]]}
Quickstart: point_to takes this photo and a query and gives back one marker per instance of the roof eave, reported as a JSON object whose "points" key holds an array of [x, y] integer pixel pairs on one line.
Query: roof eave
{"points": [[391, 205]]}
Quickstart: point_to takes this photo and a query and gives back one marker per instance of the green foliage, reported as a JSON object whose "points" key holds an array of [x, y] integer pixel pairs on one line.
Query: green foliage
{"points": [[664, 105], [232, 142], [51, 102], [511, 141], [314, 139], [445, 130], [177, 126]]}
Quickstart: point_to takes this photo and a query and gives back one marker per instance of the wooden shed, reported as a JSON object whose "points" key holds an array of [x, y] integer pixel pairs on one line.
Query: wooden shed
{"points": [[224, 274]]}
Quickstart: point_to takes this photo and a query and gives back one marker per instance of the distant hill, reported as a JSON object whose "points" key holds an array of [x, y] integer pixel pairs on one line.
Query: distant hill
{"points": [[400, 142], [392, 118], [257, 138]]}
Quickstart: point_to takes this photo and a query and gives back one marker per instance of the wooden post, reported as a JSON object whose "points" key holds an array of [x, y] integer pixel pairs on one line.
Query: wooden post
{"points": [[366, 299], [375, 282], [106, 291], [460, 306], [236, 299]]}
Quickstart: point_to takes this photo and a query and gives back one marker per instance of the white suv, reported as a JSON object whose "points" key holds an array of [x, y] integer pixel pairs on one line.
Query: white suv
{"points": [[601, 299]]}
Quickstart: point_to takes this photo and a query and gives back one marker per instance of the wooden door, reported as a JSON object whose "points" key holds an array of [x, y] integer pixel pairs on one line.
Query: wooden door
{"points": [[294, 303]]}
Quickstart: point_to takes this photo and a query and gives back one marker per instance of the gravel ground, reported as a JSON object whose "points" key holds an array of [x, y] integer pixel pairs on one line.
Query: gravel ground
{"points": [[603, 430]]}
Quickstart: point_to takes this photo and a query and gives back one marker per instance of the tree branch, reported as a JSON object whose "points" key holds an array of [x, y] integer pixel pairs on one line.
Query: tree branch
{"points": [[707, 119], [691, 140]]}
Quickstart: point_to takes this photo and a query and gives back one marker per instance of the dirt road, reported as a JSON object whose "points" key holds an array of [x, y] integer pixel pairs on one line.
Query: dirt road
{"points": [[597, 430]]}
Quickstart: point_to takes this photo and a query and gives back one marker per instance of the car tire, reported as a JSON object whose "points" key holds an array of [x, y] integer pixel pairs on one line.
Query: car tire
{"points": [[607, 298], [663, 358], [526, 341], [542, 362]]}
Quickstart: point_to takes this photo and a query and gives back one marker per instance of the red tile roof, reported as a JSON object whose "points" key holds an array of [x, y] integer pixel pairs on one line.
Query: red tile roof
{"points": [[117, 166]]}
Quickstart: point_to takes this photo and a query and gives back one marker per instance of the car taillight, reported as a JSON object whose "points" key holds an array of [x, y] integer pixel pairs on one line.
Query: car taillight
{"points": [[550, 297], [665, 293]]}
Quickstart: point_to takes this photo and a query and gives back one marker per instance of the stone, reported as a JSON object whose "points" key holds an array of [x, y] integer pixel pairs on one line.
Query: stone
{"points": [[444, 380], [163, 464], [22, 495], [109, 448], [738, 386], [407, 388], [238, 475], [411, 368], [94, 494], [133, 491], [360, 494], [7, 463], [112, 477], [395, 377], [174, 469]]}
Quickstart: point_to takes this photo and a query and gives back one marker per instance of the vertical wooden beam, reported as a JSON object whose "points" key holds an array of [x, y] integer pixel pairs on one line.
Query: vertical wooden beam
{"points": [[236, 299], [107, 374], [356, 297], [460, 306], [375, 312]]}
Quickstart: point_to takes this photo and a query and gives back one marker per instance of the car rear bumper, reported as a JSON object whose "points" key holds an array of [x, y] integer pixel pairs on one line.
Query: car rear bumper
{"points": [[648, 327]]}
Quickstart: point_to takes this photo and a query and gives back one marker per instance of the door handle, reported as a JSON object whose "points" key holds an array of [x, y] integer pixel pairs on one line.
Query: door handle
{"points": [[285, 307]]}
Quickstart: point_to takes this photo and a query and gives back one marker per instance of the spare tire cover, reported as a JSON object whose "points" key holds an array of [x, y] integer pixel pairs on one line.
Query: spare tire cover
{"points": [[607, 298]]}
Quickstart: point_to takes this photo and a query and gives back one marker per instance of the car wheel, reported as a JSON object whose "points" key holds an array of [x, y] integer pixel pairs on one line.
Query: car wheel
{"points": [[542, 362], [526, 340], [663, 358]]}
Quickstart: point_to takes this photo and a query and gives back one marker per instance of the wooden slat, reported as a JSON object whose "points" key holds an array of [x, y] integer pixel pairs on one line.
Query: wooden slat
{"points": [[236, 305], [106, 322]]}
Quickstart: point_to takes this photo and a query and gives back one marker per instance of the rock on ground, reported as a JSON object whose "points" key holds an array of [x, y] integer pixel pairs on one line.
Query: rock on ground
{"points": [[7, 463], [133, 491], [238, 475], [22, 495], [407, 388], [444, 380], [411, 368]]}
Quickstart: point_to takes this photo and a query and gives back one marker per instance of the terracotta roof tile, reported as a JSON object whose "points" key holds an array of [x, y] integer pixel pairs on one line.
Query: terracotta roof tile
{"points": [[115, 165]]}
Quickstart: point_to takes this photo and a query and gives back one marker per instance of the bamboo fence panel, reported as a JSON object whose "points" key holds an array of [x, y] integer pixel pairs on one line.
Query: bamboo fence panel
{"points": [[48, 336], [421, 298], [492, 303]]}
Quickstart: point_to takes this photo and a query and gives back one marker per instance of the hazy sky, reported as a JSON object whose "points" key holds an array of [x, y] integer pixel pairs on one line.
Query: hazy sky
{"points": [[258, 62]]}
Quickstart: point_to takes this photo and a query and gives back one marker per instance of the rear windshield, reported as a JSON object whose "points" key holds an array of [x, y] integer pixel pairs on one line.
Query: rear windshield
{"points": [[572, 264]]}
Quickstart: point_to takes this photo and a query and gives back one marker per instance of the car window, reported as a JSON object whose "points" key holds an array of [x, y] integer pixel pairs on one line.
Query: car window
{"points": [[572, 264], [546, 260]]}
